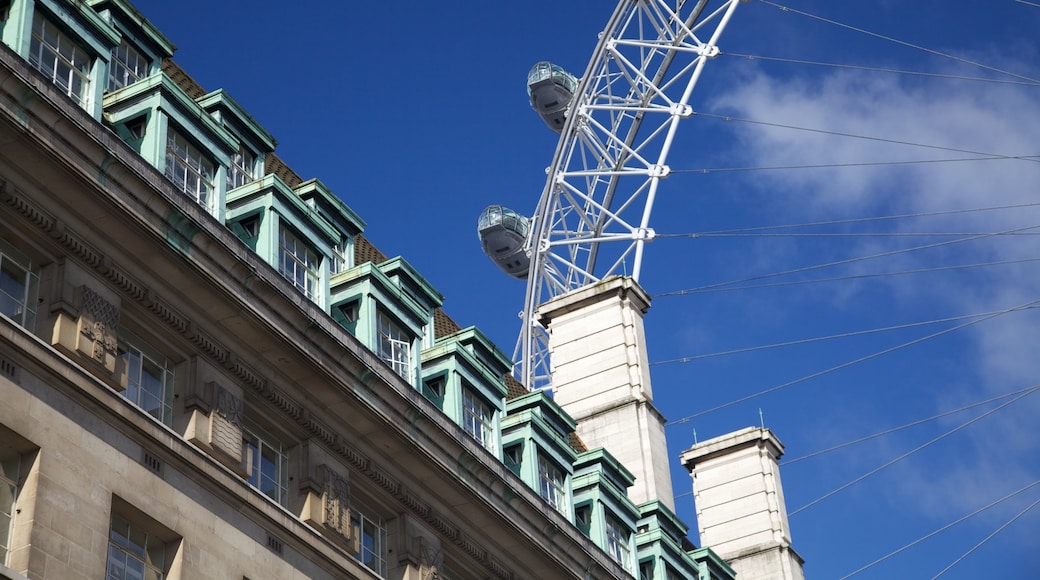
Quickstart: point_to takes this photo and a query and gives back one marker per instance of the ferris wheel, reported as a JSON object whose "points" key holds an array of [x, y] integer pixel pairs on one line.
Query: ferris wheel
{"points": [[616, 125]]}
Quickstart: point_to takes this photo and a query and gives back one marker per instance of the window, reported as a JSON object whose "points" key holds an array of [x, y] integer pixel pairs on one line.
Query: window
{"points": [[476, 418], [267, 462], [433, 389], [149, 377], [583, 518], [552, 485], [395, 347], [242, 169], [58, 57], [133, 553], [617, 541], [9, 467], [371, 533], [18, 287], [127, 66], [342, 257], [646, 570], [299, 265], [512, 456], [248, 229], [188, 169], [346, 314]]}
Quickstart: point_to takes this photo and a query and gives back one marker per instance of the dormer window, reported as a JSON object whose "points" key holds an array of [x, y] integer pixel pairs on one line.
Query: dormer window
{"points": [[395, 347], [341, 257], [127, 67], [58, 57], [188, 169], [299, 264], [477, 418], [242, 169]]}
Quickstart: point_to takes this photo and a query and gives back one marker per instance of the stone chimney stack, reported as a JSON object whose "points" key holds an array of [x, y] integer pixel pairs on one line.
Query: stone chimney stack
{"points": [[740, 504], [601, 379]]}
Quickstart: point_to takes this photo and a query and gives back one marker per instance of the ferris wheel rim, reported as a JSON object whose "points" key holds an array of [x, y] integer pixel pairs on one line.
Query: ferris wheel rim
{"points": [[552, 274]]}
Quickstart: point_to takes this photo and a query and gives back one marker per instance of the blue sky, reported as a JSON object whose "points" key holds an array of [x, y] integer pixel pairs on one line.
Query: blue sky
{"points": [[415, 114]]}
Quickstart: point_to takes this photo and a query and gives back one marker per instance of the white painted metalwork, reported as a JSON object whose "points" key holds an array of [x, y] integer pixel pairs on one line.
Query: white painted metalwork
{"points": [[611, 155]]}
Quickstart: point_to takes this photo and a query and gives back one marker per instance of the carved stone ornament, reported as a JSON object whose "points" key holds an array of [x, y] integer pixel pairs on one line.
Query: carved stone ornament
{"points": [[430, 561], [99, 323], [229, 406], [336, 500]]}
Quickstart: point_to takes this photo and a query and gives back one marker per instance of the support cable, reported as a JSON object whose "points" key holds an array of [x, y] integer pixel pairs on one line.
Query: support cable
{"points": [[1026, 390], [983, 154], [820, 338], [987, 538], [1028, 83], [854, 220], [899, 42], [942, 529], [865, 276], [847, 364], [840, 262], [911, 452]]}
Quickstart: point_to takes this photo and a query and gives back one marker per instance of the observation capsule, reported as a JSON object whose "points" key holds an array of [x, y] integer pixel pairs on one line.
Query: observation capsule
{"points": [[503, 233], [551, 89]]}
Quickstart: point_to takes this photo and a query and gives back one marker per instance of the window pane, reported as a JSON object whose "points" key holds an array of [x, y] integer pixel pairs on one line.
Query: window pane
{"points": [[55, 55], [188, 169]]}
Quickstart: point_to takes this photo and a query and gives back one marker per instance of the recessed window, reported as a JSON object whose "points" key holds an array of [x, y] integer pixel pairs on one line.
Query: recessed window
{"points": [[552, 484], [646, 570], [188, 169], [242, 170], [127, 66], [247, 229], [617, 541], [395, 347], [434, 389], [266, 462], [60, 58], [583, 518], [136, 128], [477, 418], [134, 553], [149, 377], [342, 257], [18, 287], [9, 469], [371, 534], [299, 264]]}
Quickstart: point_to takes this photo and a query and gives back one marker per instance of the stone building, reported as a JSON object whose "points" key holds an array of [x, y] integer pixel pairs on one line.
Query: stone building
{"points": [[207, 371]]}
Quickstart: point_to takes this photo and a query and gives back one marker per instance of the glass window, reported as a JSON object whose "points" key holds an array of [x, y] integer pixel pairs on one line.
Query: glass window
{"points": [[267, 462], [58, 57], [646, 570], [617, 541], [342, 259], [127, 66], [9, 465], [477, 418], [583, 518], [552, 485], [149, 377], [299, 265], [395, 347], [188, 169], [134, 554], [371, 535], [18, 287], [242, 169], [434, 389]]}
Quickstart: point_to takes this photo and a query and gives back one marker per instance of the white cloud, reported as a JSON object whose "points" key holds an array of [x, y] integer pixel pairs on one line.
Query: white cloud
{"points": [[968, 116]]}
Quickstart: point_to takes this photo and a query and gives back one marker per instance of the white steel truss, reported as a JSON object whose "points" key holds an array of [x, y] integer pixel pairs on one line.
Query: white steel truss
{"points": [[611, 155]]}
